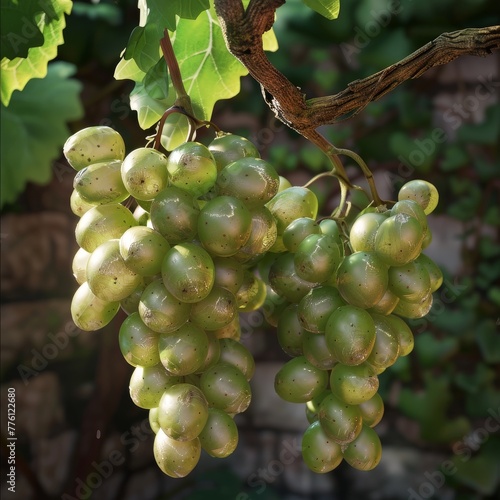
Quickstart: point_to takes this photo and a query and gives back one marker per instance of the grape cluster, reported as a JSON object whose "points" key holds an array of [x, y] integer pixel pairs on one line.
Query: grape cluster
{"points": [[184, 243], [180, 266], [345, 296]]}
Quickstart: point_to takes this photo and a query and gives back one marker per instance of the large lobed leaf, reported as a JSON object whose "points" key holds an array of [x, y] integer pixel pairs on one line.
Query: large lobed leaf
{"points": [[49, 23], [33, 128]]}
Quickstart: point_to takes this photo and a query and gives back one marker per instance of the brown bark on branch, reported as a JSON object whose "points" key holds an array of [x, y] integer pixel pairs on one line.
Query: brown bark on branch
{"points": [[243, 33]]}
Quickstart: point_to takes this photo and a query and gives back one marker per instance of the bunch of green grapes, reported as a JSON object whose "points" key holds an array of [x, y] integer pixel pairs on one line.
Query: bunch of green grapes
{"points": [[181, 266], [345, 296]]}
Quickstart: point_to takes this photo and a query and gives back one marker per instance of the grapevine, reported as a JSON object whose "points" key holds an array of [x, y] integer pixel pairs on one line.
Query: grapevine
{"points": [[185, 241]]}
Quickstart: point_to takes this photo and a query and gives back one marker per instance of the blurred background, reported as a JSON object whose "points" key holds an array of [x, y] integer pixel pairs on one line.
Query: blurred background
{"points": [[75, 422]]}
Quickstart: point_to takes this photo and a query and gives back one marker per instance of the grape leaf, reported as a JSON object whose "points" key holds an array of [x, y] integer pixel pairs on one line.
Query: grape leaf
{"points": [[34, 127], [327, 8], [18, 71], [143, 46]]}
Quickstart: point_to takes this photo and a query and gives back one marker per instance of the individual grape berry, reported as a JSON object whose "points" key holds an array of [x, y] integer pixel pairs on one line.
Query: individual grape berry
{"points": [[404, 334], [183, 351], [103, 223], [176, 458], [413, 209], [364, 229], [192, 167], [101, 183], [435, 274], [213, 353], [219, 437], [78, 205], [148, 383], [236, 354], [138, 343], [365, 452], [423, 192], [298, 381], [216, 310], [350, 335], [386, 348], [143, 250], [174, 214], [228, 273], [319, 452], [372, 410], [340, 421], [153, 420], [230, 331], [414, 310], [315, 350], [160, 310], [79, 265], [353, 384], [182, 412], [188, 272], [228, 148], [329, 226], [93, 145], [298, 230], [90, 313], [251, 294], [144, 173], [108, 275], [410, 282], [273, 306], [386, 304], [362, 279]]}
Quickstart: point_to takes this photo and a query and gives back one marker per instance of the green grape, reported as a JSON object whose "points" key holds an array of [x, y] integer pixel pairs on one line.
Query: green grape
{"points": [[290, 331], [350, 335], [340, 421], [103, 223], [319, 452], [365, 452], [404, 334], [251, 294], [317, 258], [153, 420], [252, 180], [386, 348], [148, 383], [264, 265], [89, 312], [176, 458], [298, 381], [216, 310], [141, 215], [160, 310], [224, 226], [144, 173], [182, 412], [79, 265], [213, 353], [364, 229], [316, 351], [236, 354], [230, 331], [93, 145], [362, 279], [399, 239], [298, 230], [143, 250], [226, 388], [410, 282], [386, 304], [353, 384], [107, 274], [330, 227], [138, 343], [228, 273], [130, 304], [372, 410], [435, 274], [284, 184], [219, 437], [273, 306], [315, 402], [290, 204], [184, 351], [262, 236], [101, 183], [413, 209], [229, 147], [174, 214], [317, 306], [188, 272], [427, 239], [192, 167], [414, 310], [285, 281], [423, 192], [78, 205]]}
